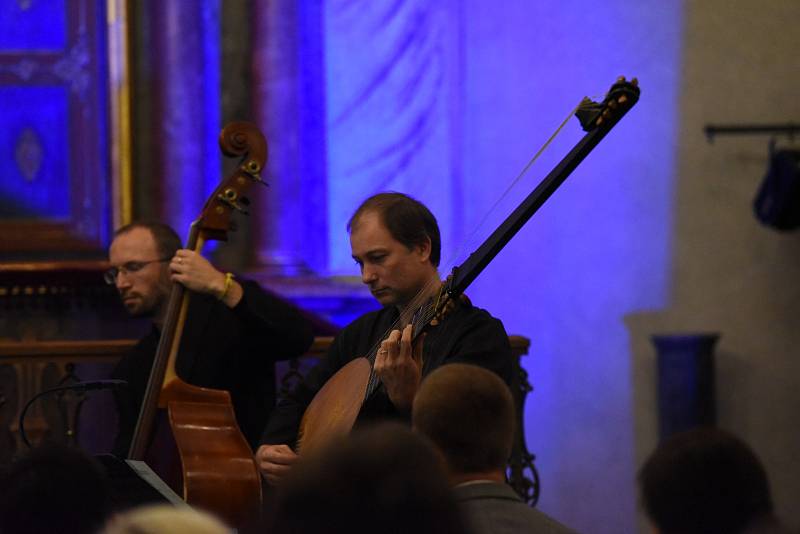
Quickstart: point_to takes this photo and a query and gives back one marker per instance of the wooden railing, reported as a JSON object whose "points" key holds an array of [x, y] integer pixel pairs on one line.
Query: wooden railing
{"points": [[26, 368]]}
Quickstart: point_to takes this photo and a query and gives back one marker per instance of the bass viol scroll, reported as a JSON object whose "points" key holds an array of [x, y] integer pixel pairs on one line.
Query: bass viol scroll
{"points": [[334, 409], [216, 463]]}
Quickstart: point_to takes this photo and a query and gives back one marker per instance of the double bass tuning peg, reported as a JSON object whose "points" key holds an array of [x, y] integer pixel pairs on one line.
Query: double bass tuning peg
{"points": [[253, 170], [230, 198]]}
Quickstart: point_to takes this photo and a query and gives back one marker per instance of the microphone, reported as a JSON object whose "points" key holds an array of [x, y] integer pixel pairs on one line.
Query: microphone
{"points": [[90, 385]]}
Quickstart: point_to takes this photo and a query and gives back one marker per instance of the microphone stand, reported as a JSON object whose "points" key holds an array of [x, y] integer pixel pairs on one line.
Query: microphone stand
{"points": [[79, 387]]}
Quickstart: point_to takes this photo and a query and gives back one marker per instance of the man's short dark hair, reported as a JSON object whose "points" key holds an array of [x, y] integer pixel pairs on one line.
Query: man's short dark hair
{"points": [[407, 219], [383, 478], [54, 488], [468, 412], [705, 481], [167, 240]]}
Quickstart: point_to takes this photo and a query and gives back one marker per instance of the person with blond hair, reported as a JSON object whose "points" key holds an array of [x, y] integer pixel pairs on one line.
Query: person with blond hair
{"points": [[165, 519]]}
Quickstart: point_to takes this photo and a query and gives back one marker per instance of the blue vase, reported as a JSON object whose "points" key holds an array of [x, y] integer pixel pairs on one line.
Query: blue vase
{"points": [[685, 381]]}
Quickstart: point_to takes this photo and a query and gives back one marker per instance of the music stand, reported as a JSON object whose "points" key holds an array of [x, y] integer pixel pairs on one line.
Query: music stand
{"points": [[133, 484]]}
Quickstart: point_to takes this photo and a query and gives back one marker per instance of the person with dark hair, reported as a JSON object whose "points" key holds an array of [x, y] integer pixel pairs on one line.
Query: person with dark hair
{"points": [[410, 222], [383, 479], [468, 414], [54, 488], [234, 330], [706, 481], [394, 239]]}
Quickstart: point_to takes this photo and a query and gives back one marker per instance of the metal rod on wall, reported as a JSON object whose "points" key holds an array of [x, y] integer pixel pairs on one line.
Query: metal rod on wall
{"points": [[791, 129]]}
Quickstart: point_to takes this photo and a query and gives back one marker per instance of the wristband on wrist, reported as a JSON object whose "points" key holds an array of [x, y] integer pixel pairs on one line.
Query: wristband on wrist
{"points": [[228, 284]]}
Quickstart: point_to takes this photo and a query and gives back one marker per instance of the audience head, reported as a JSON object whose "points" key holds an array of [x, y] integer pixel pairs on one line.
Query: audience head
{"points": [[468, 413], [54, 488], [705, 481], [165, 519], [384, 478]]}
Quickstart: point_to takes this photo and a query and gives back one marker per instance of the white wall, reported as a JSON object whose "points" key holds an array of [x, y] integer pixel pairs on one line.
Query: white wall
{"points": [[732, 275]]}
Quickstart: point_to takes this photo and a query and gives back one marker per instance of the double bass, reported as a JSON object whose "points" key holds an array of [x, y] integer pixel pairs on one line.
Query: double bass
{"points": [[334, 409], [217, 469]]}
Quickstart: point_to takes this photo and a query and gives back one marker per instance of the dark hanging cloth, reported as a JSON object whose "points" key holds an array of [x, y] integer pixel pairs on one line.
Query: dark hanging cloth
{"points": [[777, 203]]}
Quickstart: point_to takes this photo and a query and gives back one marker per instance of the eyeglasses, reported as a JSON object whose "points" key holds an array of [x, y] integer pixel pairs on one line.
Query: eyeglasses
{"points": [[110, 276]]}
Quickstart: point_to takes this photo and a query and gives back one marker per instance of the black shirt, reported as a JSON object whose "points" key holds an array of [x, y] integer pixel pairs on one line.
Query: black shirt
{"points": [[467, 335]]}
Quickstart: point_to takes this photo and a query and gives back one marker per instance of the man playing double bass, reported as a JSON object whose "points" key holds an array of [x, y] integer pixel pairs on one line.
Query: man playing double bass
{"points": [[234, 331], [396, 243]]}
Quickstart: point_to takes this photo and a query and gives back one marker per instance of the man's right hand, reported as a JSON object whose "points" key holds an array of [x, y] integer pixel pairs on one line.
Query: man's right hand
{"points": [[275, 461]]}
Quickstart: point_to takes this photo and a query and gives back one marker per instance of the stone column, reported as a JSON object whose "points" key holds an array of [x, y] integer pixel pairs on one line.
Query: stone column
{"points": [[290, 216], [184, 49]]}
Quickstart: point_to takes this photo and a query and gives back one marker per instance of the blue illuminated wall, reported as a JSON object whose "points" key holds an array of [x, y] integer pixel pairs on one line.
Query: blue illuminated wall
{"points": [[447, 101], [34, 179], [186, 57], [54, 177], [33, 25]]}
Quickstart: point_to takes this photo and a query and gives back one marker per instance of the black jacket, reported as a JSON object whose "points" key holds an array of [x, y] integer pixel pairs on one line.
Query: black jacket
{"points": [[233, 349]]}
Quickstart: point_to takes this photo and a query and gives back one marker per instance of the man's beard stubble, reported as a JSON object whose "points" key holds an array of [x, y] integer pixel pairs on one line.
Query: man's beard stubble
{"points": [[154, 307]]}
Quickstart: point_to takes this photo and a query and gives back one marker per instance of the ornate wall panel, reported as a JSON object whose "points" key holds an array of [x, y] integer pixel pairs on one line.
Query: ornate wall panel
{"points": [[54, 180]]}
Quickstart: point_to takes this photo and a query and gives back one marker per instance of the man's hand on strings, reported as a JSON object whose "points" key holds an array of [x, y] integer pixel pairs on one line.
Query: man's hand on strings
{"points": [[399, 366], [197, 274], [275, 462]]}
